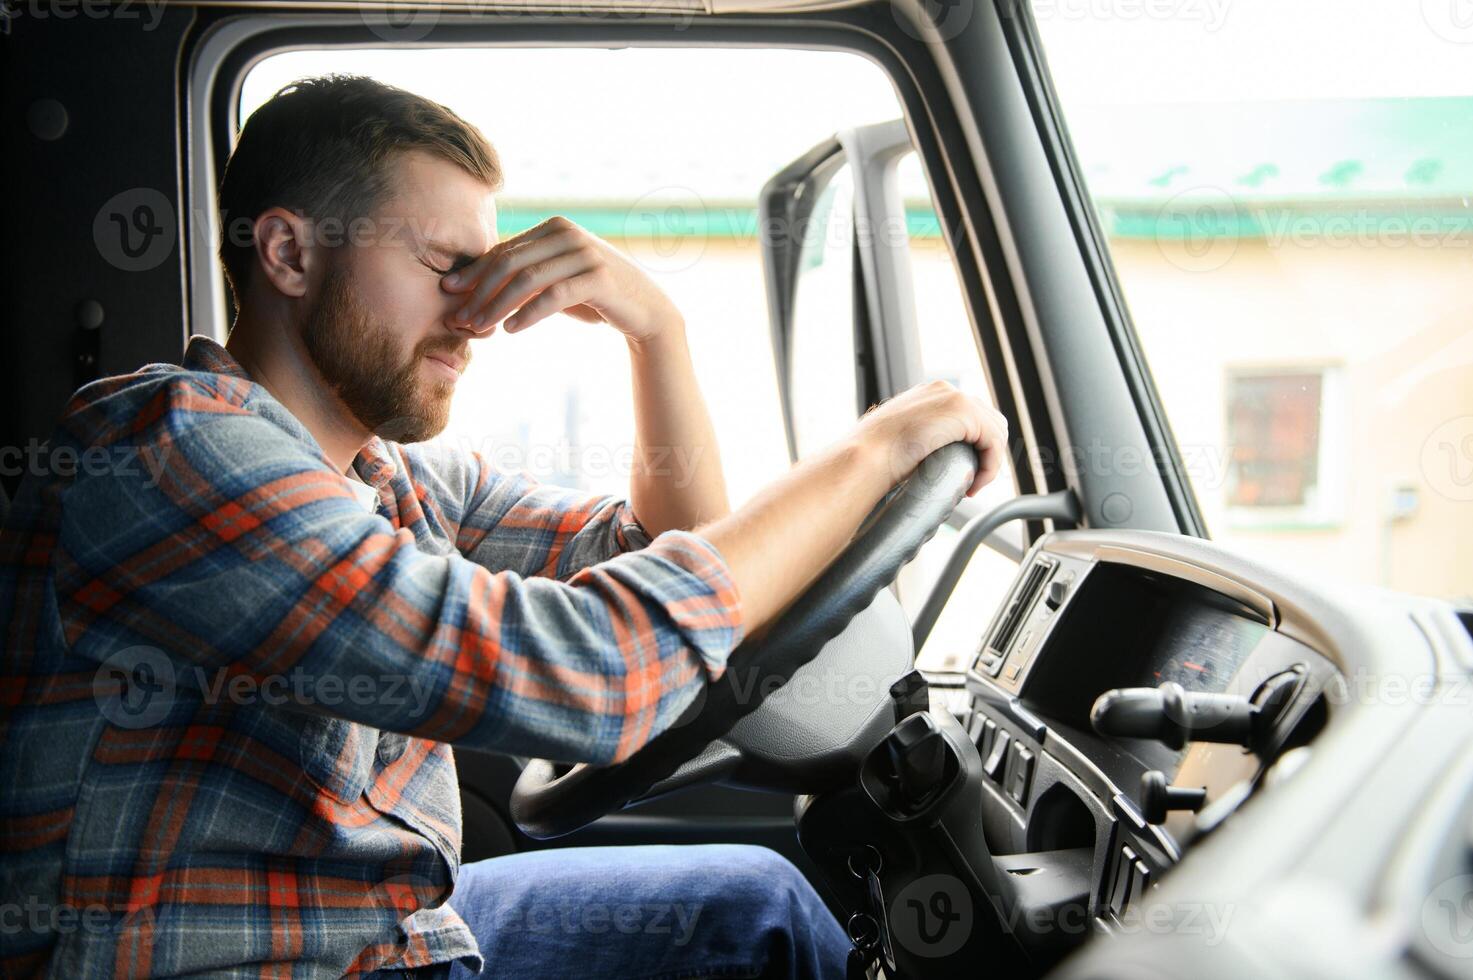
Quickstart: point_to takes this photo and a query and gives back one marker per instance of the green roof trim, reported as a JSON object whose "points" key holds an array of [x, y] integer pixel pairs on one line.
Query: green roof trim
{"points": [[736, 221], [1182, 218]]}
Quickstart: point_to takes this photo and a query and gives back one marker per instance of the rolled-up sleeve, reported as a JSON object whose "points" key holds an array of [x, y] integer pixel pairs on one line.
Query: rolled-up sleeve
{"points": [[248, 554], [509, 520]]}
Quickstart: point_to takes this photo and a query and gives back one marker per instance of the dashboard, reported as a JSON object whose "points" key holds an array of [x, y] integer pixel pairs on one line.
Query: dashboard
{"points": [[1089, 615], [1153, 729]]}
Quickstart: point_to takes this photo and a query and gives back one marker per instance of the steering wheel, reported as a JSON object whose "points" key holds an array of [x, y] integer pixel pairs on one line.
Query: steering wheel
{"points": [[760, 725]]}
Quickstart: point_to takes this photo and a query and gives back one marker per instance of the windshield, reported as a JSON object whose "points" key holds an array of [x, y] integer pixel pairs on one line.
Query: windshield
{"points": [[1285, 192]]}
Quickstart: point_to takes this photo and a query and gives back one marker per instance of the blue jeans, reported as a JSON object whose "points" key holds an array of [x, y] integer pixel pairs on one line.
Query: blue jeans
{"points": [[652, 912]]}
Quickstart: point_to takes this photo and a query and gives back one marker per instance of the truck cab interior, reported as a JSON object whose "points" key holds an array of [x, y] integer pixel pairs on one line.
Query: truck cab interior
{"points": [[1187, 693]]}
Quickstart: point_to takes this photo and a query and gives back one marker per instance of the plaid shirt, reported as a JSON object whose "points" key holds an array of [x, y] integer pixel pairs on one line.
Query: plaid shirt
{"points": [[229, 692]]}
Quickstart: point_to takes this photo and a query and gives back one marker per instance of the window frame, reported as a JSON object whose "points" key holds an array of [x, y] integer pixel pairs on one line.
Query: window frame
{"points": [[225, 45]]}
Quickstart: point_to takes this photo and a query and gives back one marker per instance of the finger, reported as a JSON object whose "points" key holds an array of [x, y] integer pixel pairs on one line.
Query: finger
{"points": [[463, 279], [533, 280], [496, 274], [990, 451], [554, 299], [524, 285]]}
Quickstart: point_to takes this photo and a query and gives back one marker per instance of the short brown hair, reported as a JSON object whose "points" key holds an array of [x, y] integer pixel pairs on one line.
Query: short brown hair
{"points": [[322, 148]]}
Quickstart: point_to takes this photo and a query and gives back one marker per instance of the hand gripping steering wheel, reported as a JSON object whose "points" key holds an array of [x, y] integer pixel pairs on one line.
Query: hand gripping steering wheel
{"points": [[796, 707]]}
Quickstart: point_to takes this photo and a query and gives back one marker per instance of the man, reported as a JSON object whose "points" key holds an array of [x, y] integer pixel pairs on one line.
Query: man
{"points": [[237, 654]]}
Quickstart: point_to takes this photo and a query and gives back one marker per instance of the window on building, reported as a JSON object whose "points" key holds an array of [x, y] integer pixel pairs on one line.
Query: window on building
{"points": [[1274, 435]]}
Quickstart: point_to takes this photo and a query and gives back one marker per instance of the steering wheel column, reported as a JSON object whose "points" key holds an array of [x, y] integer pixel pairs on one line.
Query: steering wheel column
{"points": [[902, 847]]}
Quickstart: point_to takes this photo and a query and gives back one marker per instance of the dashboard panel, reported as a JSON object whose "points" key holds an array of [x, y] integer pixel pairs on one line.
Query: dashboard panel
{"points": [[1085, 617]]}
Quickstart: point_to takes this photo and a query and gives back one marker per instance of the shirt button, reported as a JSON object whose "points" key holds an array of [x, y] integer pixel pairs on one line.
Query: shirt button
{"points": [[390, 747]]}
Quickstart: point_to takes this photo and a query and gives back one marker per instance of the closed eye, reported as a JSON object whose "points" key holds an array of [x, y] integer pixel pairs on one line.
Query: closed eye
{"points": [[457, 266]]}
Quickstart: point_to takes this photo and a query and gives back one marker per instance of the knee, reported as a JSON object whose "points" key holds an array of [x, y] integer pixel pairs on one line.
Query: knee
{"points": [[759, 876]]}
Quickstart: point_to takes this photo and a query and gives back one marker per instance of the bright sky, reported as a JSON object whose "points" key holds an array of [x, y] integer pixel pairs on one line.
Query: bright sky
{"points": [[1134, 51], [650, 121], [626, 109]]}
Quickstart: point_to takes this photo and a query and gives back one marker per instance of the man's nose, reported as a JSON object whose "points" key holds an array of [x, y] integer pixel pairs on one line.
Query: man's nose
{"points": [[451, 303], [466, 329]]}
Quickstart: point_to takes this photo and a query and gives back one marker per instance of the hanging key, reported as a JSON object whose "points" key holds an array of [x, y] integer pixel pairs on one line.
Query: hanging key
{"points": [[864, 933], [882, 918]]}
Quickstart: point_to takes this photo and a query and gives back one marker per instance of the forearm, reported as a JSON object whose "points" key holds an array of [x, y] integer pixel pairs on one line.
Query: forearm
{"points": [[778, 543], [677, 480]]}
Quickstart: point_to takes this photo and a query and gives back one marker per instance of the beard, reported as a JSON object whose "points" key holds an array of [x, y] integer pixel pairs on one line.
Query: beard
{"points": [[362, 362]]}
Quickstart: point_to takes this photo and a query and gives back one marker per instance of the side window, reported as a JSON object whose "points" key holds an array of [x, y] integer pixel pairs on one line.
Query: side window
{"points": [[826, 365], [556, 399], [821, 367]]}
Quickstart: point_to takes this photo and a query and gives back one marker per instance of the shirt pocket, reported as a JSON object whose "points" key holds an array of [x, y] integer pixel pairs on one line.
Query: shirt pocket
{"points": [[419, 789], [337, 755]]}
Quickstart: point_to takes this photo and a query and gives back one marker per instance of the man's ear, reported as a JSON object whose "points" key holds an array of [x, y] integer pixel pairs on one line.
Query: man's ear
{"points": [[284, 250]]}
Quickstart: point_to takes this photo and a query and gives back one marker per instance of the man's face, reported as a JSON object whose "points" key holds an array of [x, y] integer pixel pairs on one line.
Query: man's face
{"points": [[378, 330]]}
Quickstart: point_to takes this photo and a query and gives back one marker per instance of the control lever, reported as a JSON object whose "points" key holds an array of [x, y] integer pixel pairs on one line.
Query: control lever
{"points": [[912, 765], [1174, 716], [1158, 797]]}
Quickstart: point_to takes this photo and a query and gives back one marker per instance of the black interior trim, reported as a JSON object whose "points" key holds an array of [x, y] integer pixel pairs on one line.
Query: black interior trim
{"points": [[1048, 116]]}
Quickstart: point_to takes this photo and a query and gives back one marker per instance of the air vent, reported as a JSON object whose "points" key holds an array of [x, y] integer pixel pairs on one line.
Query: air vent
{"points": [[1022, 601]]}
